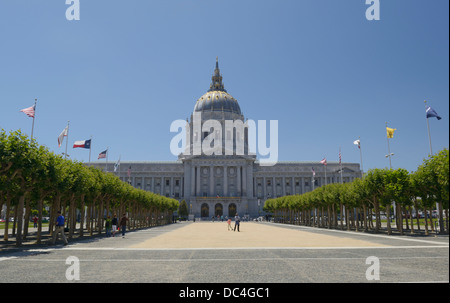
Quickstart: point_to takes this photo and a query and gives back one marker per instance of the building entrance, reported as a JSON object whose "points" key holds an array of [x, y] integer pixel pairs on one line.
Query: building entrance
{"points": [[218, 210], [205, 210]]}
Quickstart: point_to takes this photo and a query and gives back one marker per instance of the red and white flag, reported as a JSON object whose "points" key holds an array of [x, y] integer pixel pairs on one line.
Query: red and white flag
{"points": [[83, 144], [357, 142], [324, 161], [29, 111], [63, 134]]}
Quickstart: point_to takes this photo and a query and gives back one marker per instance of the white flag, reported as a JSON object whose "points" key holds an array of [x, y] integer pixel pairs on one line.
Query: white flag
{"points": [[116, 166], [63, 134], [357, 142]]}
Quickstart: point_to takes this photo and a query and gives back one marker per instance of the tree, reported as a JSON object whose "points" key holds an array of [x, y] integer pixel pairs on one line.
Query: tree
{"points": [[183, 210]]}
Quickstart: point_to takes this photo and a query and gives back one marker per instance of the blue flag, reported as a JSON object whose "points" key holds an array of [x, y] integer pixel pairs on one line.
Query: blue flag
{"points": [[432, 113]]}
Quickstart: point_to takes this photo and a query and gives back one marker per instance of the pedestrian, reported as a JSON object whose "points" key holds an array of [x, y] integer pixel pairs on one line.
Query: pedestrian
{"points": [[229, 224], [35, 220], [237, 222], [108, 226], [114, 223], [59, 228], [123, 224]]}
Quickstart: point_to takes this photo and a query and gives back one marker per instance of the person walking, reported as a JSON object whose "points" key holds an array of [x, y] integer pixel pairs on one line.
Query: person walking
{"points": [[123, 224], [229, 224], [59, 228], [108, 226], [114, 223], [237, 222], [35, 220]]}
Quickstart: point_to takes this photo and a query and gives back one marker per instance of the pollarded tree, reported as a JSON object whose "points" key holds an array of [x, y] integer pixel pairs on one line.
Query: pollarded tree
{"points": [[20, 160], [374, 182]]}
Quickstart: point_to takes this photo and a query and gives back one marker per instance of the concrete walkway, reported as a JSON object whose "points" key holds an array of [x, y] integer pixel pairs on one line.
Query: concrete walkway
{"points": [[217, 235]]}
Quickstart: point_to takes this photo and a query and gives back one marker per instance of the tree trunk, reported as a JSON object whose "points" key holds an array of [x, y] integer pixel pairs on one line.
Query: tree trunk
{"points": [[82, 216], [388, 215], [426, 220], [26, 218], [347, 216], [400, 218], [39, 230], [19, 208], [365, 217], [377, 216], [8, 210]]}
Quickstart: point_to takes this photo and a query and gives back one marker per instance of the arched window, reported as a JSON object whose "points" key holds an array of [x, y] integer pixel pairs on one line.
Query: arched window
{"points": [[232, 210], [205, 210], [218, 210]]}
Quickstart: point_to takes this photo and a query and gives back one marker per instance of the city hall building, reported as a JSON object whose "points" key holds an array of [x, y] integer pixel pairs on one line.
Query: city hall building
{"points": [[222, 184]]}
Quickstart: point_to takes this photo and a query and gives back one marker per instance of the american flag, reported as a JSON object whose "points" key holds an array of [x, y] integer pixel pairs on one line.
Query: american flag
{"points": [[29, 111], [102, 155], [314, 172], [340, 157], [324, 161]]}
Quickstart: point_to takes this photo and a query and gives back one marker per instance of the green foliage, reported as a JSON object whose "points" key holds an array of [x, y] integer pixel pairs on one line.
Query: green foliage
{"points": [[378, 190], [27, 167]]}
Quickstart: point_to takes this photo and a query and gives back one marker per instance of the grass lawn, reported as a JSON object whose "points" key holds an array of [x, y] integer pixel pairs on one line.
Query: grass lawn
{"points": [[30, 224]]}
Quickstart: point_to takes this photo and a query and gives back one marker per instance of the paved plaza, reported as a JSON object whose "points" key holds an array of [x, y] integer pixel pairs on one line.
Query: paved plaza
{"points": [[207, 252]]}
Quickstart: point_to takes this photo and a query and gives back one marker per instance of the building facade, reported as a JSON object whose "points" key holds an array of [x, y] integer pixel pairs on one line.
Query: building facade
{"points": [[224, 179]]}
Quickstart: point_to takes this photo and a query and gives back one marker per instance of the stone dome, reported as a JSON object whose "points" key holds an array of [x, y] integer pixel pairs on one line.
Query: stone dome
{"points": [[217, 99]]}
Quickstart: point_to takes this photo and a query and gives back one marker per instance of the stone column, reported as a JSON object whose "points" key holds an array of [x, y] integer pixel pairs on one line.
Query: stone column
{"points": [[225, 181], [198, 181], [238, 174], [244, 180], [211, 181], [274, 188], [192, 180], [264, 190]]}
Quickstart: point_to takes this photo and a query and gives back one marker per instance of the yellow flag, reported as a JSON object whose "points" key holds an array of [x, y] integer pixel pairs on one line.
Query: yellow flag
{"points": [[390, 132]]}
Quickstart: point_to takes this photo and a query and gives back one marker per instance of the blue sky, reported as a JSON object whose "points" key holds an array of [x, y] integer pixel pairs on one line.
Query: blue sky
{"points": [[127, 69]]}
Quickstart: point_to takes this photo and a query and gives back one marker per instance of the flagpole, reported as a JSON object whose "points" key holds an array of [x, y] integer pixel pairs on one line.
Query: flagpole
{"points": [[107, 152], [389, 150], [429, 134], [32, 125], [67, 140], [90, 148], [340, 163], [118, 168], [360, 155], [313, 180]]}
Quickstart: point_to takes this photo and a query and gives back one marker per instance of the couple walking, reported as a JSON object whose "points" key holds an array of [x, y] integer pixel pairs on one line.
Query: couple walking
{"points": [[237, 222], [123, 224]]}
